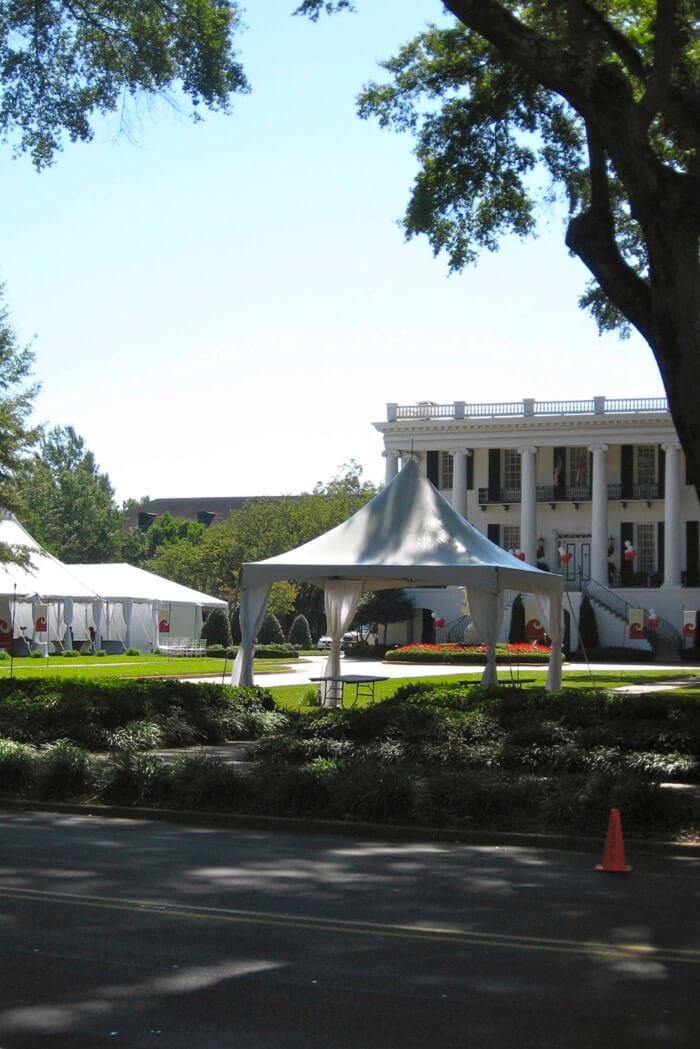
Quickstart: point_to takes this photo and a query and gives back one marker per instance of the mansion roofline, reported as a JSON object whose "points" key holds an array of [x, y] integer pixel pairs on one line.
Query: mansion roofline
{"points": [[527, 408]]}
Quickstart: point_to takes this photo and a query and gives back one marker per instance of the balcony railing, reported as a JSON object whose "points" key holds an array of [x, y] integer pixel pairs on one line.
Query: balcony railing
{"points": [[577, 493], [527, 408]]}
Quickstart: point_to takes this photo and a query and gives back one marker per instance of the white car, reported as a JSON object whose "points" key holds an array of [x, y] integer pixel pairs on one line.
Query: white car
{"points": [[324, 642]]}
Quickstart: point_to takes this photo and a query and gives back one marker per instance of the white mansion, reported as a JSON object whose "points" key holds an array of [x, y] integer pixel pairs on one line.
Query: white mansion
{"points": [[594, 489]]}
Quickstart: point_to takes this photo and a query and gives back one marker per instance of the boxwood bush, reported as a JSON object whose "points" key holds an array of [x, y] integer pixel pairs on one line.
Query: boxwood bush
{"points": [[476, 654]]}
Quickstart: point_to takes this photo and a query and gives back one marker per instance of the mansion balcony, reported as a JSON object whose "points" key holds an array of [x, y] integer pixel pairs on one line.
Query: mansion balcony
{"points": [[570, 494]]}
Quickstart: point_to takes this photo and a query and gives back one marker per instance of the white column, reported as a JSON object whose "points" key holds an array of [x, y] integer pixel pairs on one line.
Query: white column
{"points": [[599, 515], [459, 480], [528, 504], [392, 464], [672, 520]]}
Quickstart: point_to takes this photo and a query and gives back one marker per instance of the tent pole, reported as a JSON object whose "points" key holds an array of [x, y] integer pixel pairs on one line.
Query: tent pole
{"points": [[12, 639]]}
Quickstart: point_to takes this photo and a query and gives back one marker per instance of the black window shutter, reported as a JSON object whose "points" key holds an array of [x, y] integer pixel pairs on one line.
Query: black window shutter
{"points": [[493, 532], [627, 472], [660, 548], [626, 567], [662, 472], [432, 467], [470, 472], [494, 474], [692, 575], [559, 473]]}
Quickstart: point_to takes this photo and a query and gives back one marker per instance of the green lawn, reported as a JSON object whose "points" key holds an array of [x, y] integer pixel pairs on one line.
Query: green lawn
{"points": [[147, 665], [293, 696]]}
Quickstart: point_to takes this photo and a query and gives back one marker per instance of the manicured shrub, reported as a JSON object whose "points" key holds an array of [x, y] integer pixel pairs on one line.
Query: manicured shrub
{"points": [[299, 632], [133, 652], [216, 629], [516, 634], [71, 653], [271, 632], [4, 654], [587, 627]]}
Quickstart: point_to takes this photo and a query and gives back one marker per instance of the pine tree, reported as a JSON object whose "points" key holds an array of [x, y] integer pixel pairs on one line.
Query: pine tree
{"points": [[587, 626], [271, 632], [517, 635]]}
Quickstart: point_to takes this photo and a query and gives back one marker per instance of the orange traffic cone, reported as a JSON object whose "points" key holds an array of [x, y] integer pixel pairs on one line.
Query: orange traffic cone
{"points": [[614, 851]]}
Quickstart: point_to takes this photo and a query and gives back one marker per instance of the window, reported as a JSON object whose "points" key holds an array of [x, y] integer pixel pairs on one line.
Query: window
{"points": [[511, 473], [646, 549], [446, 470], [646, 464], [578, 468], [511, 537]]}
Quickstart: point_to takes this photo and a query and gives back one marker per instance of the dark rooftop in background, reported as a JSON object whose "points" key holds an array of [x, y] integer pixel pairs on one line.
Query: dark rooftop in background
{"points": [[200, 508]]}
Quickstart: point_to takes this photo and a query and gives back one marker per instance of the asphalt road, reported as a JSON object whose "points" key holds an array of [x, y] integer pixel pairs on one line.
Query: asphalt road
{"points": [[119, 932]]}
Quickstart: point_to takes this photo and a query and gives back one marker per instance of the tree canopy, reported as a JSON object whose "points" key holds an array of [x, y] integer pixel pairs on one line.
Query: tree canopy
{"points": [[17, 393], [67, 502], [592, 101], [62, 61]]}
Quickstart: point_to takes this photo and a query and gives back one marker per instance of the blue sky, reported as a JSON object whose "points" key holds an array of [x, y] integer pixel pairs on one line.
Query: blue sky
{"points": [[225, 308]]}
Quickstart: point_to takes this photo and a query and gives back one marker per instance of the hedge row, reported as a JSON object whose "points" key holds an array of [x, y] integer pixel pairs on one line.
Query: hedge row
{"points": [[261, 652], [102, 715], [364, 790]]}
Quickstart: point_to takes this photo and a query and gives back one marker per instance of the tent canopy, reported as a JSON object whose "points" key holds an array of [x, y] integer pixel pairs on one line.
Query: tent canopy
{"points": [[120, 582], [408, 535], [44, 575]]}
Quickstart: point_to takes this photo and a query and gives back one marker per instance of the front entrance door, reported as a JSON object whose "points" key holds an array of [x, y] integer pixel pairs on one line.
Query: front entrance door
{"points": [[578, 569]]}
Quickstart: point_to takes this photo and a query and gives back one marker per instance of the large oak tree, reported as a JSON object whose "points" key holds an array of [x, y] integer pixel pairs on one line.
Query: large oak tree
{"points": [[604, 95]]}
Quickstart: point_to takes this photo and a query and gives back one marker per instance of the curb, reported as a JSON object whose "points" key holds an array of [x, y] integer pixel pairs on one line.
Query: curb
{"points": [[385, 831]]}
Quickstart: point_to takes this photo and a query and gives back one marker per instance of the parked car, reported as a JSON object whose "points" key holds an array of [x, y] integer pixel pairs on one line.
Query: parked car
{"points": [[323, 642], [350, 638]]}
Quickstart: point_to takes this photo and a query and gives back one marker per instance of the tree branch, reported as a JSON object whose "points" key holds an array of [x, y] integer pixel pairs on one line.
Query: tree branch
{"points": [[591, 236]]}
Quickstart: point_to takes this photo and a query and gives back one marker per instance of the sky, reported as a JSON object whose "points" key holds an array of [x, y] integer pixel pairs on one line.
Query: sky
{"points": [[225, 308]]}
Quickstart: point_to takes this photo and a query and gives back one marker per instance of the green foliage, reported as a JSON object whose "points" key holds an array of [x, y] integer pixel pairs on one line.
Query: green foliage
{"points": [[517, 633], [68, 503], [299, 633], [130, 714], [271, 632], [216, 629], [63, 63], [17, 395], [384, 607], [588, 627], [133, 652]]}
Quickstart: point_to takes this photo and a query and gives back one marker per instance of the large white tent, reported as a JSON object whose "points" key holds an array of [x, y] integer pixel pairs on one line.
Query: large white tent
{"points": [[47, 602], [407, 536]]}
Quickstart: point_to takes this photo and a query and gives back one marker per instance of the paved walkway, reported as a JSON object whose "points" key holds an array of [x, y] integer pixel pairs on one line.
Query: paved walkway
{"points": [[313, 666]]}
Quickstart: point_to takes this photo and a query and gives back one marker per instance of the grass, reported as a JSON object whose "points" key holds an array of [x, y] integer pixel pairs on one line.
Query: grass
{"points": [[147, 665], [292, 697]]}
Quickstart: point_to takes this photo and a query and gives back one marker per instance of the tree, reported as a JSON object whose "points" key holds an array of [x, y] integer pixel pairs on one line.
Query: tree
{"points": [[384, 607], [587, 626], [299, 633], [516, 634], [17, 394], [603, 97], [271, 632], [68, 503], [216, 628], [62, 62]]}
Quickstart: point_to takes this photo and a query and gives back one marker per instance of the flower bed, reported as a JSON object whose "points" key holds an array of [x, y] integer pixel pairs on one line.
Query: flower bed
{"points": [[421, 653]]}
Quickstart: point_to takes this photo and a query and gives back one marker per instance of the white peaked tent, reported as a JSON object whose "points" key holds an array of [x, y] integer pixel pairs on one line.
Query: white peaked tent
{"points": [[46, 601], [135, 602], [408, 535], [37, 599]]}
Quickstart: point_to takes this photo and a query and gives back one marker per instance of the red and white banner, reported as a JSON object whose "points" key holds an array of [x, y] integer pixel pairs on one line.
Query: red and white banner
{"points": [[689, 624], [635, 618]]}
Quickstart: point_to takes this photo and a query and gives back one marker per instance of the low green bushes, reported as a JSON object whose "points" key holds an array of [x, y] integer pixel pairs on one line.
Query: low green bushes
{"points": [[283, 651], [133, 714]]}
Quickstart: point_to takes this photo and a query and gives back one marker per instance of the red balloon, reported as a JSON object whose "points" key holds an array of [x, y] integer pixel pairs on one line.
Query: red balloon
{"points": [[439, 622], [565, 558], [630, 554], [520, 555]]}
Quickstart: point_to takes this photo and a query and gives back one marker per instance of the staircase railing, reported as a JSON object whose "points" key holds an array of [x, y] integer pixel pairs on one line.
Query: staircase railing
{"points": [[452, 631], [663, 631]]}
